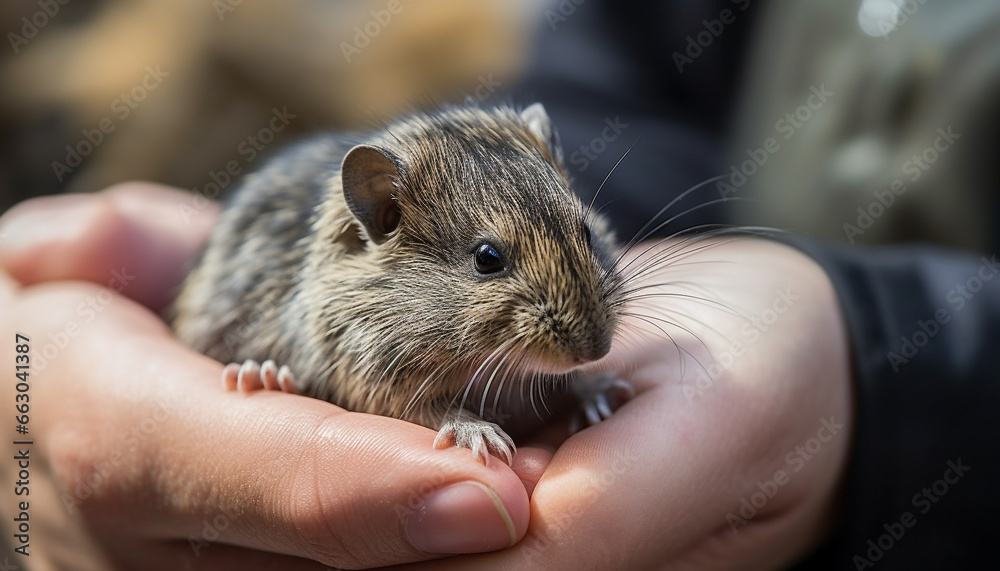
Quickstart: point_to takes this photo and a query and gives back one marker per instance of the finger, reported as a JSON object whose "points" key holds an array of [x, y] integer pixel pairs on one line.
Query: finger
{"points": [[295, 476], [198, 553], [134, 237], [529, 465]]}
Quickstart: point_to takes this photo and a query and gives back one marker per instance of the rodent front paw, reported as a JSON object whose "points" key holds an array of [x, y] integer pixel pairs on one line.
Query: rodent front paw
{"points": [[600, 397], [482, 437], [251, 376]]}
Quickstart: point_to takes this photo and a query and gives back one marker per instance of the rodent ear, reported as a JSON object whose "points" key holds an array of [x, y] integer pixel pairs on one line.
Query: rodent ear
{"points": [[367, 175], [540, 125]]}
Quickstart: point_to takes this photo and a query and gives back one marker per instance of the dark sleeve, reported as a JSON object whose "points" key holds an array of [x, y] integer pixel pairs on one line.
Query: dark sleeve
{"points": [[613, 75], [925, 336]]}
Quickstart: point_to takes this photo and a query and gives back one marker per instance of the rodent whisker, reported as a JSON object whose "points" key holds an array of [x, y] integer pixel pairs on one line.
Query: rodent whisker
{"points": [[686, 284], [694, 208], [645, 232], [681, 250], [653, 319], [482, 367], [702, 300], [681, 350], [515, 370], [425, 385], [701, 233], [531, 394], [394, 362], [627, 290], [593, 199], [677, 250], [489, 382]]}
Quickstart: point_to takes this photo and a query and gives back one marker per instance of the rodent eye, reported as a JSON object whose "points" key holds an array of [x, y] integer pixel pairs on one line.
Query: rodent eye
{"points": [[488, 260], [586, 234]]}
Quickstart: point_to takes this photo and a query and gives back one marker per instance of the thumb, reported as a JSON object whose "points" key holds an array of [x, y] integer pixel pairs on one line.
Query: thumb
{"points": [[136, 229]]}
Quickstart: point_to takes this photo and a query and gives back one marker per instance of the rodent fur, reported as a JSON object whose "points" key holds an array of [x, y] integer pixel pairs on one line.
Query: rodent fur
{"points": [[350, 259]]}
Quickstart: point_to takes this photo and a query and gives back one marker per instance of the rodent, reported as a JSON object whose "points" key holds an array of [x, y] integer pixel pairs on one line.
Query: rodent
{"points": [[411, 270]]}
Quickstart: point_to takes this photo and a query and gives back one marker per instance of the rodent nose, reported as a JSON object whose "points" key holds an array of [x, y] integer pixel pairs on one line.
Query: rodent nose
{"points": [[593, 349]]}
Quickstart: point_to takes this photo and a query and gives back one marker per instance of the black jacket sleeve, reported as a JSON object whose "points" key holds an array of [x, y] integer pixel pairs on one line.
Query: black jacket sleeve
{"points": [[924, 323], [924, 326]]}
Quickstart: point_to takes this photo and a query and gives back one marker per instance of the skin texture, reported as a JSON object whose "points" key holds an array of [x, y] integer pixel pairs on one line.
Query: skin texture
{"points": [[650, 487]]}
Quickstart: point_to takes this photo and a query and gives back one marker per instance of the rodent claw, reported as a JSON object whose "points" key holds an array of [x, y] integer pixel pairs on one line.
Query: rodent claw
{"points": [[251, 376], [230, 376], [482, 438], [444, 439], [603, 407], [269, 375], [625, 387], [286, 381], [598, 396]]}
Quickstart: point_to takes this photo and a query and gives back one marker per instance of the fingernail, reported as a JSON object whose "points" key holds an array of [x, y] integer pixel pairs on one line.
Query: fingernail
{"points": [[462, 518]]}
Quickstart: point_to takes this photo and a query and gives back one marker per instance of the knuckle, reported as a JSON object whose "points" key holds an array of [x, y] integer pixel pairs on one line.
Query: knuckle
{"points": [[333, 524]]}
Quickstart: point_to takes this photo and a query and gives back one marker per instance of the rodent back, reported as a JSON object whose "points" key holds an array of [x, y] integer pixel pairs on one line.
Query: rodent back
{"points": [[235, 302]]}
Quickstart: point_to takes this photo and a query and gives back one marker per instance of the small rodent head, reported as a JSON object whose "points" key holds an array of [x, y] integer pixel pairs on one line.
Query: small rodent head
{"points": [[482, 250]]}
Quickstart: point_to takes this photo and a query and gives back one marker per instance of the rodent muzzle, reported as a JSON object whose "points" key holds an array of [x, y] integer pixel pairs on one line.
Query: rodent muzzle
{"points": [[593, 349]]}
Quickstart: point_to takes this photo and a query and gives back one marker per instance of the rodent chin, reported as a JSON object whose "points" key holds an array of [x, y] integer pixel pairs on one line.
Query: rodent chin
{"points": [[553, 366]]}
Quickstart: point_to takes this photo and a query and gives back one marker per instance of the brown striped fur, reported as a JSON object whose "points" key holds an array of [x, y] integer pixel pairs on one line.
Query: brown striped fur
{"points": [[399, 325]]}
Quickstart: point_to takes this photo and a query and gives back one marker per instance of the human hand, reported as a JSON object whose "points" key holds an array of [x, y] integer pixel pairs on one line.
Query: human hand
{"points": [[733, 451], [142, 461]]}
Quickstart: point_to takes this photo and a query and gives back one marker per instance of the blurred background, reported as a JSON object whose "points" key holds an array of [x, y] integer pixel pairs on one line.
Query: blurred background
{"points": [[865, 121]]}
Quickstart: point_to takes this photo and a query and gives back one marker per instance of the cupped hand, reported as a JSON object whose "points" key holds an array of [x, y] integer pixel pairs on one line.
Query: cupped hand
{"points": [[732, 453], [142, 461]]}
